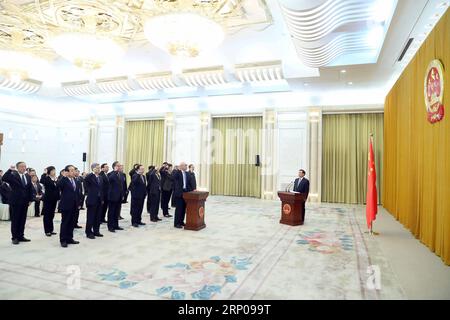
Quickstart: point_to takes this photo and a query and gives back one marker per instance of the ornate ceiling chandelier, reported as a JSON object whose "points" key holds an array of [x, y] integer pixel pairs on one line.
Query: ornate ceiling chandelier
{"points": [[91, 34], [184, 34]]}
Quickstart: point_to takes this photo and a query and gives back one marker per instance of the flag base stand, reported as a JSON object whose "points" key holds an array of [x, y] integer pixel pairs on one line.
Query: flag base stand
{"points": [[371, 232]]}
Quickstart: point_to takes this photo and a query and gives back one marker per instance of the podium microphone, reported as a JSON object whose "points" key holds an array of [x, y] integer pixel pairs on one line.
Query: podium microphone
{"points": [[289, 185]]}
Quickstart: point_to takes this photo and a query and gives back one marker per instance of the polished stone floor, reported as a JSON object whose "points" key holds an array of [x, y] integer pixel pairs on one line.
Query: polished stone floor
{"points": [[243, 253]]}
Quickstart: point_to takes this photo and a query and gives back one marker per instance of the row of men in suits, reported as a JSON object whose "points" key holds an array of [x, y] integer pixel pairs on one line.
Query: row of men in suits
{"points": [[105, 192], [159, 185]]}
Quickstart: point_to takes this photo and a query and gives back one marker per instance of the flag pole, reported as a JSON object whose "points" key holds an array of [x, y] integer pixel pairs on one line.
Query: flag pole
{"points": [[371, 232]]}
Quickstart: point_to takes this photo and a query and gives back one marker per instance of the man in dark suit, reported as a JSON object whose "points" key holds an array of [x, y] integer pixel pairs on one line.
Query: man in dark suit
{"points": [[166, 189], [147, 175], [94, 190], [69, 204], [50, 199], [80, 192], [83, 199], [115, 197], [38, 193], [123, 177], [105, 189], [21, 197], [181, 184], [154, 192], [138, 189], [192, 179], [301, 185]]}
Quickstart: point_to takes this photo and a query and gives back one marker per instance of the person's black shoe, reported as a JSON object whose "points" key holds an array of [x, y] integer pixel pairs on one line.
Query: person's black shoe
{"points": [[24, 240], [73, 242], [183, 224], [135, 225], [82, 209], [36, 215], [111, 230], [153, 220], [78, 227], [141, 223], [53, 233], [90, 236], [64, 244], [48, 234], [158, 219], [15, 241], [120, 218], [98, 235], [168, 215], [179, 226], [118, 228]]}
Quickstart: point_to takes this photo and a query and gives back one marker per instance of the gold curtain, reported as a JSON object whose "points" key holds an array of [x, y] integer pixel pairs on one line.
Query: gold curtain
{"points": [[344, 156], [144, 143], [236, 142], [416, 187]]}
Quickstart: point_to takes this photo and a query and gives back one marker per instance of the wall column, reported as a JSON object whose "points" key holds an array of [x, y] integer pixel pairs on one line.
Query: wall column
{"points": [[268, 174], [315, 154], [203, 179], [169, 127], [93, 142], [120, 139]]}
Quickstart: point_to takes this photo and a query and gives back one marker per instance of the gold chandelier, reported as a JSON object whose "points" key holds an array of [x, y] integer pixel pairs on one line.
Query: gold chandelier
{"points": [[91, 33]]}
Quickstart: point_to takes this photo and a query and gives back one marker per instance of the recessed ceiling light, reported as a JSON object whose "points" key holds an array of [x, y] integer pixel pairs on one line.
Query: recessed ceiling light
{"points": [[435, 16], [343, 71], [306, 84], [443, 5], [350, 83]]}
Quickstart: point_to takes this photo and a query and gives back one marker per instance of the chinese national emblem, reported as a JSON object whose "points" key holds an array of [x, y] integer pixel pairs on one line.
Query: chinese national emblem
{"points": [[201, 212], [287, 209], [434, 91]]}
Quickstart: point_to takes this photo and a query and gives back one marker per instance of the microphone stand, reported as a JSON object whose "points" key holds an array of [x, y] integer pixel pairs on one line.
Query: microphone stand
{"points": [[288, 186]]}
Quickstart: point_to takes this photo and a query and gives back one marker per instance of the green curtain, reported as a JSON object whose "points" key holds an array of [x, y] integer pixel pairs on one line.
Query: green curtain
{"points": [[235, 143], [144, 143], [344, 156]]}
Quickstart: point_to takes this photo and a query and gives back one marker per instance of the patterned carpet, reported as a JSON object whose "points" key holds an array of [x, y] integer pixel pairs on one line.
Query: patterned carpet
{"points": [[243, 253]]}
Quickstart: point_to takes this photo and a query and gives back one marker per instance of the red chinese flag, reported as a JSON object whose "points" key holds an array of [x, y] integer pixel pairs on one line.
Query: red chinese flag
{"points": [[371, 198]]}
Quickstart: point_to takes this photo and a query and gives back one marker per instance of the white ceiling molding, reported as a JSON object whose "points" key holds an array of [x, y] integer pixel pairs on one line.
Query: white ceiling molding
{"points": [[27, 86], [79, 88], [259, 72], [156, 81], [204, 77], [114, 85], [323, 31]]}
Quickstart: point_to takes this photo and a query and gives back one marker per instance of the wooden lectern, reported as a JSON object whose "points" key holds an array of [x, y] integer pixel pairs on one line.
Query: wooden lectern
{"points": [[292, 207], [195, 209]]}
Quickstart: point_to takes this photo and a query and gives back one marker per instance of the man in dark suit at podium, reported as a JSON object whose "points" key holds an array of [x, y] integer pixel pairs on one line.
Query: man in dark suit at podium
{"points": [[181, 184], [301, 185]]}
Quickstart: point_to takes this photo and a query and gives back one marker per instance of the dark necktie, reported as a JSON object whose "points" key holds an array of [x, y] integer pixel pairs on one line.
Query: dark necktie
{"points": [[24, 181], [73, 184], [143, 179]]}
